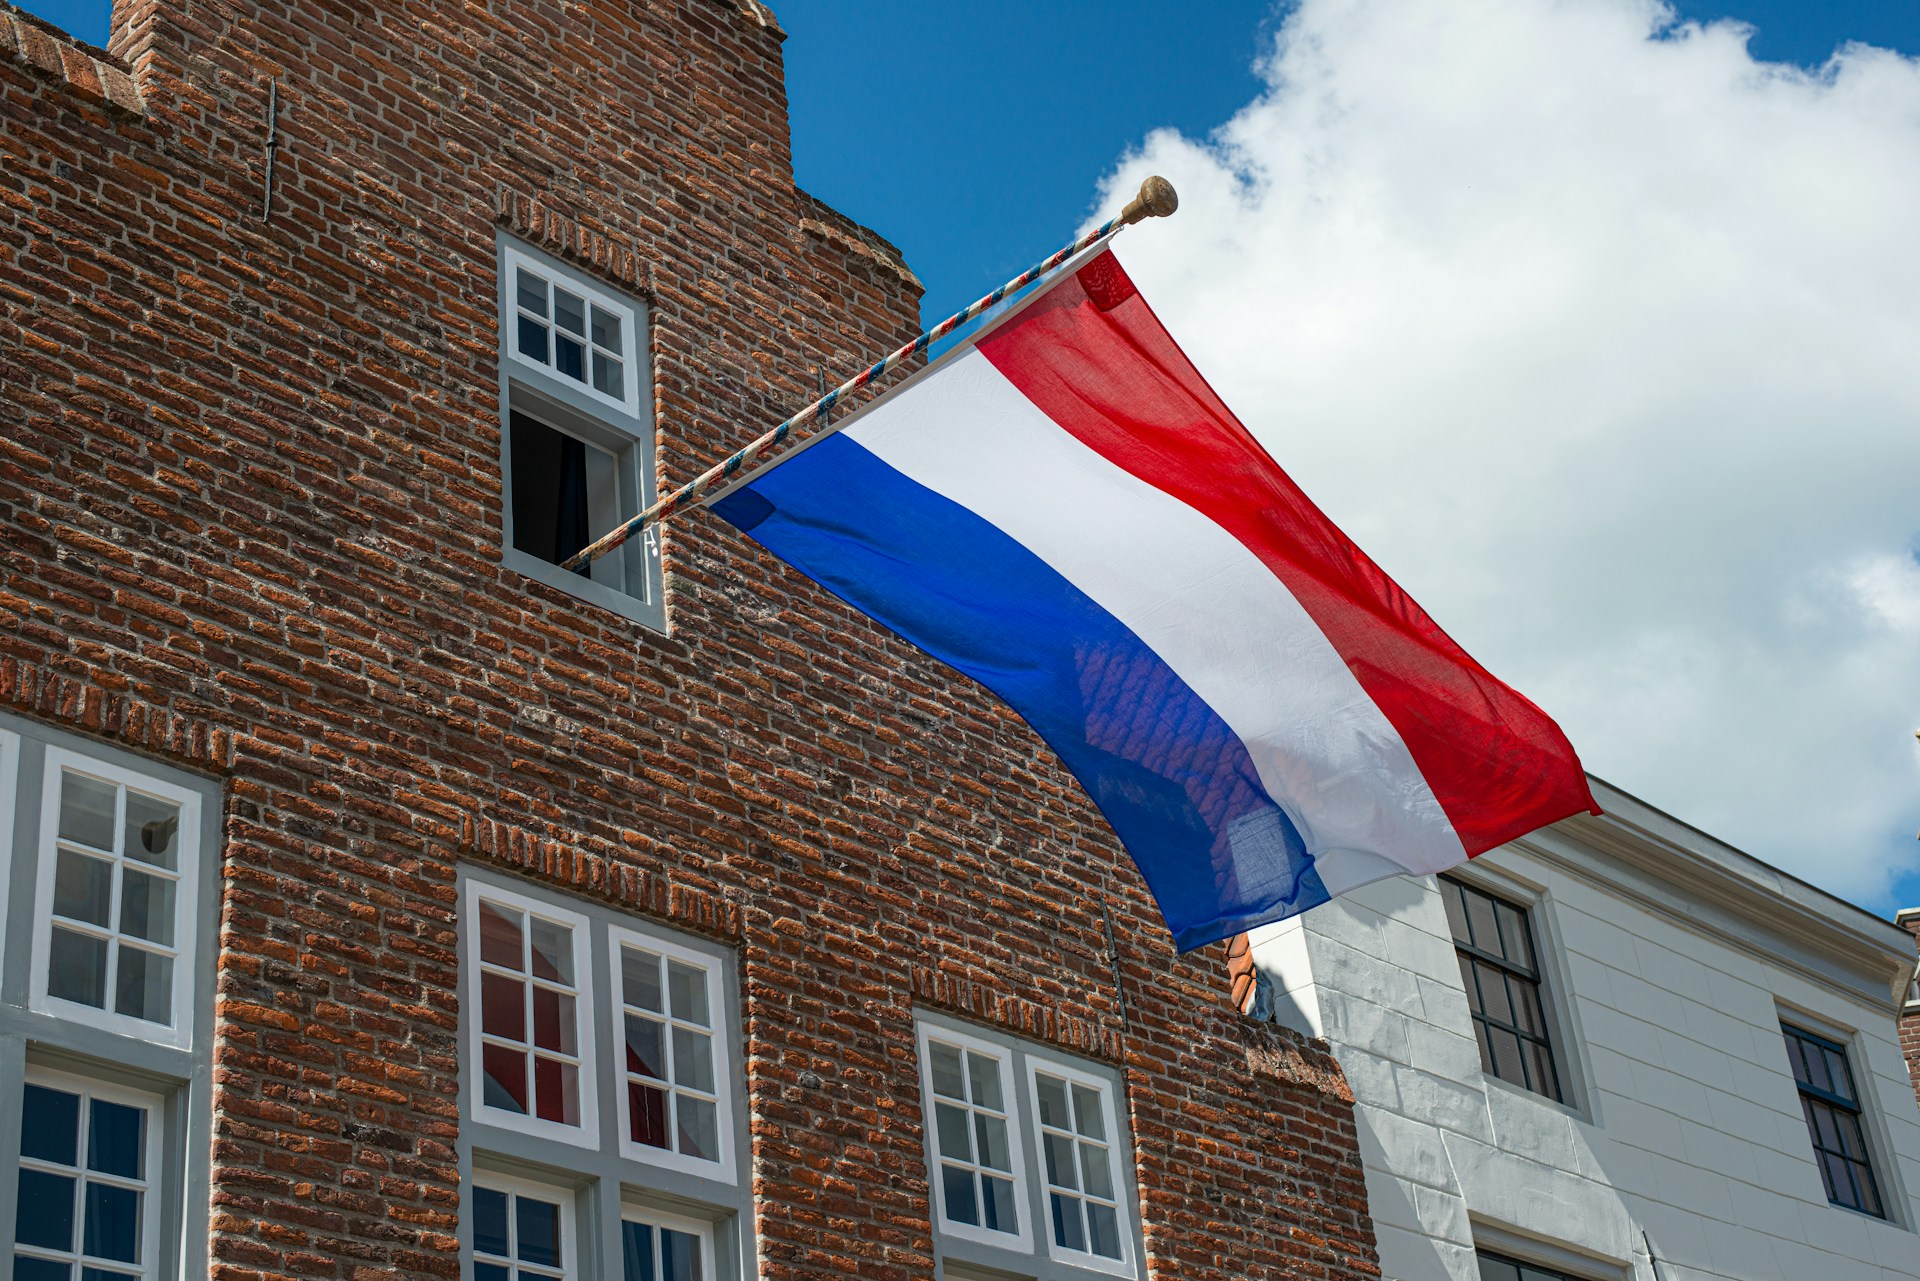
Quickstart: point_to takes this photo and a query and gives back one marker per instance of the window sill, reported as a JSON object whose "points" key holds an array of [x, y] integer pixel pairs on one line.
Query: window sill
{"points": [[1533, 1096], [648, 614]]}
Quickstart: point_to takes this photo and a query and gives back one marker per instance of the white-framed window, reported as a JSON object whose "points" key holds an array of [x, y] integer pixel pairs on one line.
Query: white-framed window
{"points": [[564, 324], [532, 1043], [968, 1084], [657, 1246], [1028, 1157], [86, 1182], [674, 1107], [640, 1028], [576, 430], [115, 919], [523, 1231], [1087, 1217]]}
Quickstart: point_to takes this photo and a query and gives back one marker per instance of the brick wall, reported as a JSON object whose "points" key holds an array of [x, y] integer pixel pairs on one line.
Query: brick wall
{"points": [[250, 482]]}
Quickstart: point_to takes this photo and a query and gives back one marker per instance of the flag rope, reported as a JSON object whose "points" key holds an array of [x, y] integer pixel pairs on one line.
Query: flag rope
{"points": [[1155, 200]]}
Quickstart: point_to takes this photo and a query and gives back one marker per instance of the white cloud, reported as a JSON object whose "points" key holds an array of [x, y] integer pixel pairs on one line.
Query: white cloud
{"points": [[1605, 340]]}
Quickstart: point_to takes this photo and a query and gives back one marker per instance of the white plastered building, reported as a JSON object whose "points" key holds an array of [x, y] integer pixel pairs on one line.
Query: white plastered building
{"points": [[1707, 1023]]}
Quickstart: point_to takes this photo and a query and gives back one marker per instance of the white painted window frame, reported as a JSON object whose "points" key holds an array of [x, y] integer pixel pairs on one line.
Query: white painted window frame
{"points": [[570, 1269], [151, 1212], [587, 1133], [722, 1170], [1122, 1180], [9, 790], [1002, 1055], [635, 1212], [178, 1034], [575, 282]]}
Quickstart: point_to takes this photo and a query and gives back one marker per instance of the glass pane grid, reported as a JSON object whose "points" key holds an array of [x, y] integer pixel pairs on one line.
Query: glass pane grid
{"points": [[500, 1238], [575, 336], [1495, 945], [1829, 1101], [673, 1097], [114, 901], [530, 1014], [1081, 1203], [972, 1120], [77, 1208]]}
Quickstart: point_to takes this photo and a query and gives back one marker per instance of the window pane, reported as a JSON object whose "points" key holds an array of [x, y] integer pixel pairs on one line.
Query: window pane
{"points": [[533, 339], [146, 906], [687, 986], [537, 1231], [77, 968], [503, 1006], [992, 1134], [552, 951], [699, 1128], [569, 311], [1060, 1162], [693, 1060], [501, 941], [645, 1053], [984, 1075], [1480, 920], [505, 1071], [45, 1210], [1839, 1074], [958, 1187], [606, 329], [86, 810], [1513, 932], [998, 1198], [1450, 892], [647, 1115], [1527, 1015], [1096, 1168], [113, 1223], [608, 376], [1052, 1092], [144, 986], [679, 1255], [491, 1272], [1545, 1078], [570, 357], [114, 1134], [153, 830], [950, 1123], [25, 1269], [553, 1020], [1470, 983], [1103, 1231], [1492, 1269], [1068, 1231], [556, 1088], [1493, 994], [490, 1221], [640, 979], [1506, 1056], [945, 1061], [636, 1252], [50, 1125], [82, 888], [531, 292], [1088, 1116]]}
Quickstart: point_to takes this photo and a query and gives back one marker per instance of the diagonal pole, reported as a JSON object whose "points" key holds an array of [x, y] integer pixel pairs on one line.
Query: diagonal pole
{"points": [[1156, 200]]}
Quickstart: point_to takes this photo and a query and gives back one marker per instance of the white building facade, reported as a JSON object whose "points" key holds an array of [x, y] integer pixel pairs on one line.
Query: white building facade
{"points": [[1617, 1049]]}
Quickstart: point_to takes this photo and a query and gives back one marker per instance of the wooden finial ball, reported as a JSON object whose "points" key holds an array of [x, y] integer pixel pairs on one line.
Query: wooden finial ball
{"points": [[1157, 199]]}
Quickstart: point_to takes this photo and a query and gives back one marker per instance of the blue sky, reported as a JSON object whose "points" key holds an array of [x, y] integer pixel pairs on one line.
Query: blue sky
{"points": [[1708, 572]]}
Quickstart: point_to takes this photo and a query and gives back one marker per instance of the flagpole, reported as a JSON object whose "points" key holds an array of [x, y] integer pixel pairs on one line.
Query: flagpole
{"points": [[1156, 199]]}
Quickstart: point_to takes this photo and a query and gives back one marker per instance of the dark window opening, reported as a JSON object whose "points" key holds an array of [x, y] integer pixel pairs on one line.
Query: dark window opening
{"points": [[1499, 1267], [551, 517], [1832, 1109], [1499, 970]]}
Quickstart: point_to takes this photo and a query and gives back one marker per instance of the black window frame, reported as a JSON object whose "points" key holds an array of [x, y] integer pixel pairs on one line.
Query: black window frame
{"points": [[1848, 1114], [1524, 1269], [1473, 956]]}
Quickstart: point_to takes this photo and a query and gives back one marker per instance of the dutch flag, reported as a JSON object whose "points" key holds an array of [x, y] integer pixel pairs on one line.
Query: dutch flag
{"points": [[1064, 511]]}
